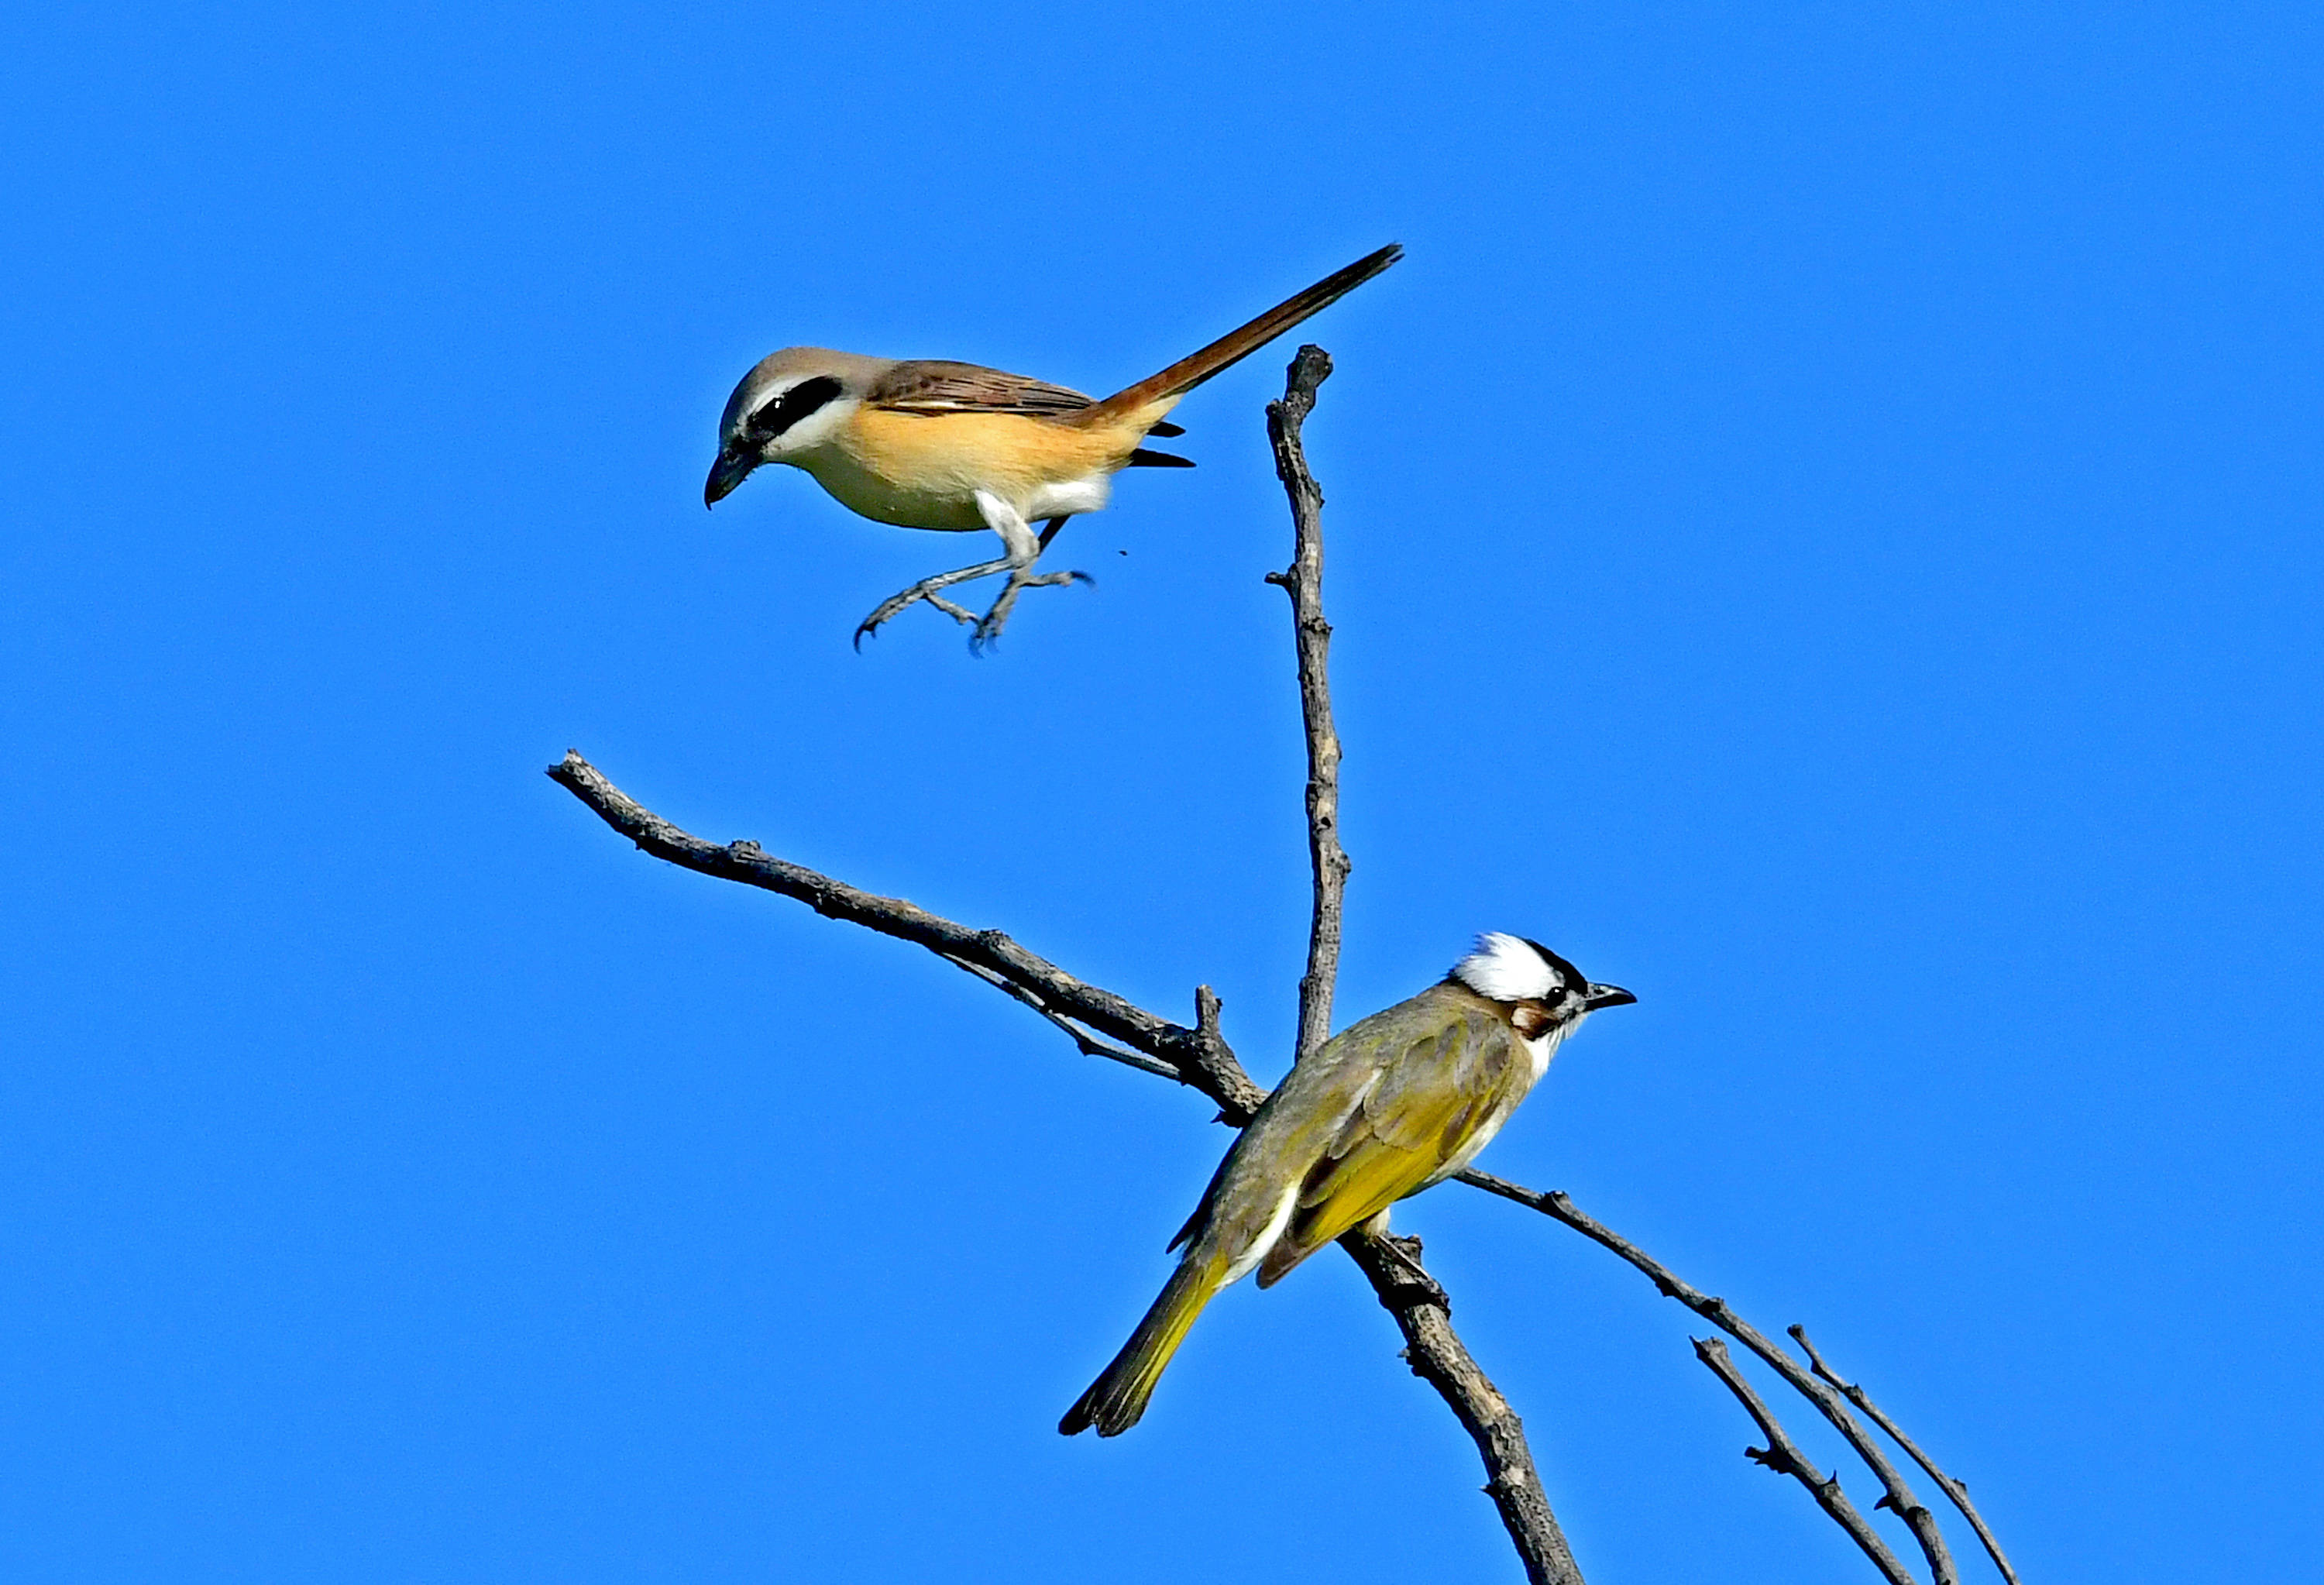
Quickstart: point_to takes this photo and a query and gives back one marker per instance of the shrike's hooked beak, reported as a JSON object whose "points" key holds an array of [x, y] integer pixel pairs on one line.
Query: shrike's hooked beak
{"points": [[727, 472], [1606, 996]]}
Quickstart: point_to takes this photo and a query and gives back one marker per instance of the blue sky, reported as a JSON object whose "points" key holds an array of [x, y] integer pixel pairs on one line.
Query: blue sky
{"points": [[1823, 531]]}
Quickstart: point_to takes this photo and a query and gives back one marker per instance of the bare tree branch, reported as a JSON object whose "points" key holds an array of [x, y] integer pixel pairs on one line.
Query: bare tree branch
{"points": [[1438, 1357], [1303, 582], [1956, 1489], [1783, 1456], [1556, 1204]]}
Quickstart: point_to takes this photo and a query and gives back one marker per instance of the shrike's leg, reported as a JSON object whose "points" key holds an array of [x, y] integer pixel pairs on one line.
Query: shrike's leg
{"points": [[926, 589], [1024, 550]]}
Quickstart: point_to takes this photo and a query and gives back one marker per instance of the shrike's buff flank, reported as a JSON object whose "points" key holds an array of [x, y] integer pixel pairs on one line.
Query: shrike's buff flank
{"points": [[929, 445], [1388, 1107]]}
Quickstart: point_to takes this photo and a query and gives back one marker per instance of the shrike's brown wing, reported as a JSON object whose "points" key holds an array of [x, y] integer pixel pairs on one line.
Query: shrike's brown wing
{"points": [[932, 387]]}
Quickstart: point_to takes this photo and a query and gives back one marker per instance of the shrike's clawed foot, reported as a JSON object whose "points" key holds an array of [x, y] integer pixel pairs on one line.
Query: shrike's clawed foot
{"points": [[1024, 550], [988, 627], [994, 620], [925, 590]]}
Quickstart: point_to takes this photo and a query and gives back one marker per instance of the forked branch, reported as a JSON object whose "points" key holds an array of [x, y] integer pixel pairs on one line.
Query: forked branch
{"points": [[1201, 1059]]}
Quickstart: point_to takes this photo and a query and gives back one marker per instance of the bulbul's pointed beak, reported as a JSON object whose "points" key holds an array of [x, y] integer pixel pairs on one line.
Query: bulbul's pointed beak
{"points": [[1606, 996], [726, 472]]}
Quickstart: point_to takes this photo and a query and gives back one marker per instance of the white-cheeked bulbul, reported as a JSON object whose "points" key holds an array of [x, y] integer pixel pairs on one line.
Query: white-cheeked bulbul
{"points": [[1389, 1106]]}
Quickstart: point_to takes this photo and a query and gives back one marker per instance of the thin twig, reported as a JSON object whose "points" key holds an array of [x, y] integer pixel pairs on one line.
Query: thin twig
{"points": [[1556, 1204], [1783, 1456], [1956, 1489], [1303, 582], [1084, 1042]]}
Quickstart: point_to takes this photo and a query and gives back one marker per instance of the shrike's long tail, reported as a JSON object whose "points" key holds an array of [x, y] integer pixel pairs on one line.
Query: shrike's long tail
{"points": [[1235, 346]]}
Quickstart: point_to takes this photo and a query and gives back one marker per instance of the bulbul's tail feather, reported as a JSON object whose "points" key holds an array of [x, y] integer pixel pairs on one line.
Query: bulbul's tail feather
{"points": [[1118, 1398], [1236, 344]]}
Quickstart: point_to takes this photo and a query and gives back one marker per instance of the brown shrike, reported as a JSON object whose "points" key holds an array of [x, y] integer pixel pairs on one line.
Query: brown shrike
{"points": [[929, 445]]}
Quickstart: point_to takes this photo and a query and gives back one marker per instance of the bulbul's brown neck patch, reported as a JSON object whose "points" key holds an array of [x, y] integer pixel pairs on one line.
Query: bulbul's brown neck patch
{"points": [[1531, 1019]]}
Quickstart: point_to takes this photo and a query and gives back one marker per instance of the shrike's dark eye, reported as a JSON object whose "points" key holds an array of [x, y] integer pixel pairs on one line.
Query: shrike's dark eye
{"points": [[790, 407]]}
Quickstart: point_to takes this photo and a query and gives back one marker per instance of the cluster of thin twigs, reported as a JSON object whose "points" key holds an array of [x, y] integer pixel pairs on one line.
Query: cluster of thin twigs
{"points": [[1102, 1023]]}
